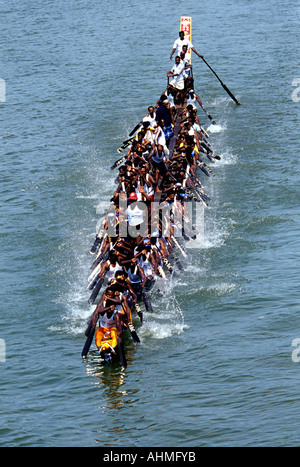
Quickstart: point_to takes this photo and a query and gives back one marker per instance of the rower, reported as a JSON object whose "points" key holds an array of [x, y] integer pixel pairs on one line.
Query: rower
{"points": [[121, 306], [109, 319], [146, 260], [136, 276], [111, 266], [122, 284], [193, 98], [145, 186]]}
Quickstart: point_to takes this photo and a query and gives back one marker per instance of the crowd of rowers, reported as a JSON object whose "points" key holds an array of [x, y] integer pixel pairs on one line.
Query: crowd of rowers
{"points": [[150, 171]]}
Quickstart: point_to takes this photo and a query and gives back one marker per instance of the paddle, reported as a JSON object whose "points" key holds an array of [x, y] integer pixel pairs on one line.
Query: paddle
{"points": [[96, 244], [88, 342], [209, 154], [168, 265], [147, 300], [118, 162], [96, 291], [209, 116], [89, 323], [121, 352], [179, 247], [133, 333], [205, 169], [209, 150], [177, 261], [224, 85], [125, 144], [135, 128], [139, 311]]}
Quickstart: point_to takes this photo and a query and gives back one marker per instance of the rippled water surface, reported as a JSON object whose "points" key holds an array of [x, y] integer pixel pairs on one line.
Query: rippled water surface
{"points": [[215, 365]]}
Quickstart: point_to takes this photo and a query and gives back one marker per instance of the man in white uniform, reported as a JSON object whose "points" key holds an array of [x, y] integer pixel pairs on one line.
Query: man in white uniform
{"points": [[180, 42], [177, 74]]}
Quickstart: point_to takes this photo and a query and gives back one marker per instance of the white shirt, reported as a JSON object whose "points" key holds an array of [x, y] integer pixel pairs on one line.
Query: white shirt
{"points": [[187, 59], [112, 270], [159, 136], [150, 119], [191, 101], [149, 135], [106, 322], [178, 70], [170, 99], [178, 44], [135, 215]]}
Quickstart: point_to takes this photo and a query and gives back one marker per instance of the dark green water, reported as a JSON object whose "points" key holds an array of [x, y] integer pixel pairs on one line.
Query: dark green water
{"points": [[215, 366]]}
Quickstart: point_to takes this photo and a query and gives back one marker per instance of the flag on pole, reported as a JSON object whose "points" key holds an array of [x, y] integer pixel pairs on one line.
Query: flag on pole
{"points": [[186, 26]]}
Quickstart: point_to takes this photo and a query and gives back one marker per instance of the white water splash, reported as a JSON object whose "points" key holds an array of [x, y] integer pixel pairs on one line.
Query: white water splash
{"points": [[215, 128]]}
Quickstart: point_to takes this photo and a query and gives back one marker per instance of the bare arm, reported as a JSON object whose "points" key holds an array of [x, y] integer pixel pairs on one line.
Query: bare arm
{"points": [[172, 53]]}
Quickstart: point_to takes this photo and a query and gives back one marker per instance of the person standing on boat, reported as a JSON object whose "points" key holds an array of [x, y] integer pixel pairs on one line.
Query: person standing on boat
{"points": [[186, 60], [160, 137], [177, 73], [164, 113], [180, 42]]}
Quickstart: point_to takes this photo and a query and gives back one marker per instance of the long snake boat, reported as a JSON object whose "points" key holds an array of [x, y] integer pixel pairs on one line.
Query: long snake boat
{"points": [[144, 234]]}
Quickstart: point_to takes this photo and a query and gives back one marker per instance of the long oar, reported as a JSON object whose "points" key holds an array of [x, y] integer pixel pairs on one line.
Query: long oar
{"points": [[146, 300], [179, 247], [125, 144], [135, 128], [208, 115], [88, 342], [133, 333], [177, 261], [121, 352], [139, 311], [118, 162], [224, 85], [96, 291]]}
